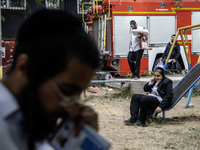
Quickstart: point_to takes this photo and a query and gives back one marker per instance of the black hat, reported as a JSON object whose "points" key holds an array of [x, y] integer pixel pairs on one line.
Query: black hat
{"points": [[132, 22]]}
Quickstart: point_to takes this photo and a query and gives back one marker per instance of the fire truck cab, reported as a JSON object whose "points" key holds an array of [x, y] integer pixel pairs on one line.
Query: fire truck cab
{"points": [[109, 24]]}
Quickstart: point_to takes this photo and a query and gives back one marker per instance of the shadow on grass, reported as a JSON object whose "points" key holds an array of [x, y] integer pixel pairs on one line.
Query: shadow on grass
{"points": [[175, 120]]}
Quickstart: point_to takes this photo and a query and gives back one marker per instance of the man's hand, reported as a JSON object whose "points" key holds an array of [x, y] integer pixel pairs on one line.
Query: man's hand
{"points": [[174, 60], [158, 110], [85, 115], [141, 34]]}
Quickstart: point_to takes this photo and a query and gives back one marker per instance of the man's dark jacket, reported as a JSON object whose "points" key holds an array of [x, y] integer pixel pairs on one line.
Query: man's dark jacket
{"points": [[175, 53], [165, 91]]}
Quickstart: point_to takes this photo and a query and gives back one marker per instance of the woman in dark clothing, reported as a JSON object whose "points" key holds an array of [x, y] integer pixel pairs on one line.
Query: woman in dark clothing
{"points": [[159, 98]]}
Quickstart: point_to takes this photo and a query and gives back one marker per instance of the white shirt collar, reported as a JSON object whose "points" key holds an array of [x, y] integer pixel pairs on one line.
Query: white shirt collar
{"points": [[157, 82], [8, 103]]}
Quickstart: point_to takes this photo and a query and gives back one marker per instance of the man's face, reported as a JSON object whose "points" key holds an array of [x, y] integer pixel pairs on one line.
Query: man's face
{"points": [[172, 38], [133, 26], [70, 82], [42, 106]]}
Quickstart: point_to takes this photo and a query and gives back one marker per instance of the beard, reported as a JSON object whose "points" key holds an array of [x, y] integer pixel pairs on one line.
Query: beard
{"points": [[37, 123], [134, 27]]}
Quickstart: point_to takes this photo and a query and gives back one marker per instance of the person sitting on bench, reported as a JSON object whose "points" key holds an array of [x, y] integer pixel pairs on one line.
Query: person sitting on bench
{"points": [[159, 98], [171, 65]]}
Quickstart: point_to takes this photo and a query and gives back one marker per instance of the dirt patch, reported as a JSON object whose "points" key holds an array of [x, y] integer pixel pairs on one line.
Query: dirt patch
{"points": [[181, 130]]}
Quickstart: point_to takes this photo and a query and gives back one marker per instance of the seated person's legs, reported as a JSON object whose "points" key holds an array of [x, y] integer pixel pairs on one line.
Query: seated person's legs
{"points": [[134, 109], [148, 103], [175, 70], [168, 67]]}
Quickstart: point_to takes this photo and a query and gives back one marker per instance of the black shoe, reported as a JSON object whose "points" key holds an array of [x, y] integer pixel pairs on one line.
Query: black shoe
{"points": [[139, 123], [136, 78], [129, 122], [132, 76]]}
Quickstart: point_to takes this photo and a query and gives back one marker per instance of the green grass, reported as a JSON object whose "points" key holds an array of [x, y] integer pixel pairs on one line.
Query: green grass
{"points": [[194, 94], [158, 121], [124, 94]]}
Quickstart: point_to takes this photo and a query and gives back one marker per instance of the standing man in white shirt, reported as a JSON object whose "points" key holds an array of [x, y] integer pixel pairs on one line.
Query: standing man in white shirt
{"points": [[135, 51]]}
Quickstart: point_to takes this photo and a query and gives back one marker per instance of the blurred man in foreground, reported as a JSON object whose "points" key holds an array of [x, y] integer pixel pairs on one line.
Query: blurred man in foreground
{"points": [[54, 61]]}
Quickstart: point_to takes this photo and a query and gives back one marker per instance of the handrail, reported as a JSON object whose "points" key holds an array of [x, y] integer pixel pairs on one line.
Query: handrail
{"points": [[104, 44], [87, 29], [109, 9], [96, 5], [83, 10], [93, 6]]}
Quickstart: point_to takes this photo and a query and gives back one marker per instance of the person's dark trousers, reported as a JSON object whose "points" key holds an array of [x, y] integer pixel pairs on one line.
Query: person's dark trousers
{"points": [[171, 67], [134, 61], [141, 106]]}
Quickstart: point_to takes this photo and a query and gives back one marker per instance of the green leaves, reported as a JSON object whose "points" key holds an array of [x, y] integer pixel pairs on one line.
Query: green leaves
{"points": [[3, 18], [51, 4], [179, 3]]}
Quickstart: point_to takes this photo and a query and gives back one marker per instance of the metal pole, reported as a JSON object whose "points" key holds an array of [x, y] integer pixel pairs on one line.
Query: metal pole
{"points": [[189, 97], [190, 66], [183, 42], [104, 44], [188, 47], [187, 27]]}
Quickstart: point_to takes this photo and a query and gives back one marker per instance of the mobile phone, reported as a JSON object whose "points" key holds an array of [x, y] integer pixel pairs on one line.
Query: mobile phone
{"points": [[88, 139]]}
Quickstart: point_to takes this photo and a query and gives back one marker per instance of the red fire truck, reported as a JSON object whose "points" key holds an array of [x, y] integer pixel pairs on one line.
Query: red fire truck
{"points": [[7, 53], [108, 22]]}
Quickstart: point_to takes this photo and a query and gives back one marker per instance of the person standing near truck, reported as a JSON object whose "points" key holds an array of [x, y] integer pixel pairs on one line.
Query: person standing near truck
{"points": [[135, 51]]}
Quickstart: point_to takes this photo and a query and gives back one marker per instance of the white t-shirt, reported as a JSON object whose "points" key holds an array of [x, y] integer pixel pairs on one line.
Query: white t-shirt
{"points": [[135, 41]]}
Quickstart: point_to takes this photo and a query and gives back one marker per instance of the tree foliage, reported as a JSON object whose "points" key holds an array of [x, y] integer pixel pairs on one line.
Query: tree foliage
{"points": [[179, 3], [53, 4]]}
